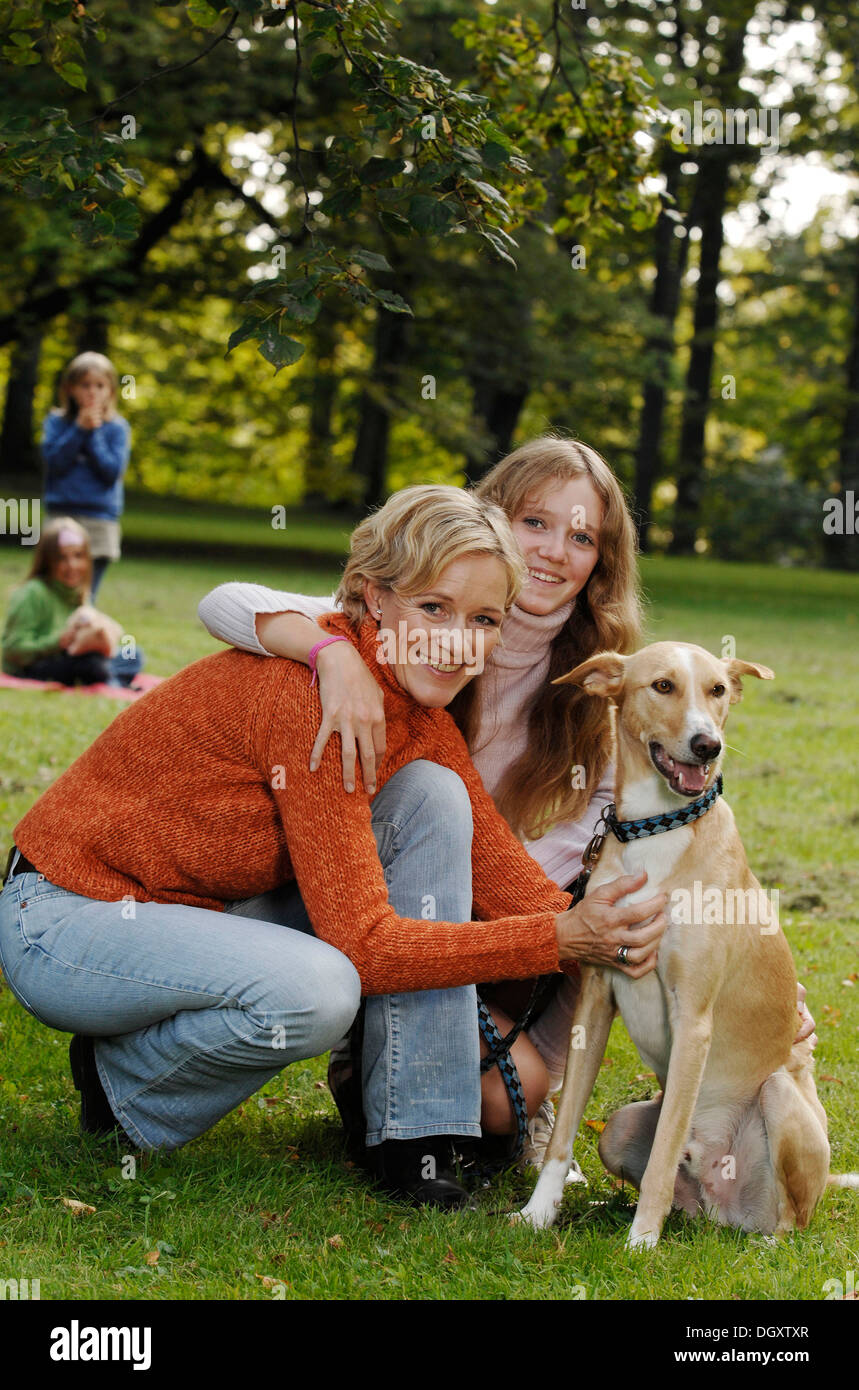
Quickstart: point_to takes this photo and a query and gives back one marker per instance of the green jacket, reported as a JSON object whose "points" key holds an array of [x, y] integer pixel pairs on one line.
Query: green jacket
{"points": [[38, 612]]}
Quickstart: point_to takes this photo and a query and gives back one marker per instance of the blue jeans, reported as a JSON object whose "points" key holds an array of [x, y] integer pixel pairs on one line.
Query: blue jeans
{"points": [[421, 1059], [193, 1011]]}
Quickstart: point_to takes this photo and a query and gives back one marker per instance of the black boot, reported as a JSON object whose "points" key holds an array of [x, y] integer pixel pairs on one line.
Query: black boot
{"points": [[96, 1114], [421, 1170]]}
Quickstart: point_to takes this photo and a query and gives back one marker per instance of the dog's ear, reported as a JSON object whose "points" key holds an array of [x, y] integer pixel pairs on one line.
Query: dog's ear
{"points": [[602, 674], [737, 668]]}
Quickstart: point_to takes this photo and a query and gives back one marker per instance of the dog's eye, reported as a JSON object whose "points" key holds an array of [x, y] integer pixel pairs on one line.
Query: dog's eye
{"points": [[718, 691], [663, 686]]}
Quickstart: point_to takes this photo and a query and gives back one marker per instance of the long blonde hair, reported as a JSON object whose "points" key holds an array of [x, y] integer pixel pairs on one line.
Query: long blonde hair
{"points": [[419, 531], [566, 727]]}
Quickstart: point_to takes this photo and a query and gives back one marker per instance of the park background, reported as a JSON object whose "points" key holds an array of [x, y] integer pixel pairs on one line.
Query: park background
{"points": [[405, 299]]}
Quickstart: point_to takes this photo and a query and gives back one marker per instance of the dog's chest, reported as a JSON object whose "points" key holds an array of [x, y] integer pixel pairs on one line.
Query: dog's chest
{"points": [[642, 1002], [659, 855], [645, 1013]]}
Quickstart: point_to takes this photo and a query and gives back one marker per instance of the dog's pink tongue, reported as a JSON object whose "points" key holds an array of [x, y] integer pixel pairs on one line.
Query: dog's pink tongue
{"points": [[691, 776]]}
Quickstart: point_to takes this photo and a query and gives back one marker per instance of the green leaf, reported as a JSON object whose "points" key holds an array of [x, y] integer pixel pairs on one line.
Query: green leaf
{"points": [[246, 329], [323, 21], [201, 12], [488, 191], [468, 153], [304, 285], [370, 259], [126, 218], [379, 170], [393, 302], [109, 178], [20, 57], [322, 63], [393, 223], [342, 203], [74, 74], [134, 176], [429, 215], [498, 137], [498, 246], [277, 348], [494, 155], [302, 310]]}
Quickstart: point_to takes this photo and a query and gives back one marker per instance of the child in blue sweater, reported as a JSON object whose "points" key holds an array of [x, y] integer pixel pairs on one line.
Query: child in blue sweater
{"points": [[85, 446]]}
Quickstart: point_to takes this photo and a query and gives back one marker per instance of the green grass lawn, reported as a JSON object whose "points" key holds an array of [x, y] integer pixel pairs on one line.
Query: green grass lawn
{"points": [[264, 1206]]}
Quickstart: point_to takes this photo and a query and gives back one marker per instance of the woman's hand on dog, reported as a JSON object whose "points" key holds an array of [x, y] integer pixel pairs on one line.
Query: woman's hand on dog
{"points": [[593, 930]]}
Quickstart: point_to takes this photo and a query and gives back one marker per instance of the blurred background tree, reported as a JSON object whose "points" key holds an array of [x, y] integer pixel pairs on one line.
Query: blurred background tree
{"points": [[453, 225]]}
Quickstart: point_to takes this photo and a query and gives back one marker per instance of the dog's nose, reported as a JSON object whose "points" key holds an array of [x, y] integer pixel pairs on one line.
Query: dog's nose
{"points": [[704, 748]]}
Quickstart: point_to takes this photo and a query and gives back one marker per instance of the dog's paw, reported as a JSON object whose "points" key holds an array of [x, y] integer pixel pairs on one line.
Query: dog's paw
{"points": [[538, 1215], [641, 1240]]}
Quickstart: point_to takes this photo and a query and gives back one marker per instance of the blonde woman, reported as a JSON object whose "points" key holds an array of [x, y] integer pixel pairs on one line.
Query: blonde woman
{"points": [[543, 751], [125, 916]]}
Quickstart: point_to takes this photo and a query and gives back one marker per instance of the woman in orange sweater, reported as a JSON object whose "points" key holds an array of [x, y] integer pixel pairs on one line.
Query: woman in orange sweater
{"points": [[163, 893]]}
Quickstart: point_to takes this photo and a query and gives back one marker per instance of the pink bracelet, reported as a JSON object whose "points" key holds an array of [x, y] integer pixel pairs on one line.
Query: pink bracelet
{"points": [[314, 652]]}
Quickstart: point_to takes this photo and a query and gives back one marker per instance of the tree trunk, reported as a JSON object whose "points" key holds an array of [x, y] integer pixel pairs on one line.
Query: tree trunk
{"points": [[370, 455], [842, 551], [93, 330], [321, 430], [713, 192], [670, 256], [19, 452], [499, 407]]}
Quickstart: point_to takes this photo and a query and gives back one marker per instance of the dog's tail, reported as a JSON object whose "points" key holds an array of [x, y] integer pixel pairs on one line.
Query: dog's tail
{"points": [[843, 1180]]}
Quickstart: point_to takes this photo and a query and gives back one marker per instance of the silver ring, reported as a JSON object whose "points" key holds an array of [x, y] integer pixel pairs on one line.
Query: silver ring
{"points": [[622, 956]]}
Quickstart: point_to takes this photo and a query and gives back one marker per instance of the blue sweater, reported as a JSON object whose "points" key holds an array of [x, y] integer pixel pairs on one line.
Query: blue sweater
{"points": [[84, 468]]}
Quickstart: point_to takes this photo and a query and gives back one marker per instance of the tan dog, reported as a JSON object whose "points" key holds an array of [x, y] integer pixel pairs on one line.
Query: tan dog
{"points": [[738, 1129]]}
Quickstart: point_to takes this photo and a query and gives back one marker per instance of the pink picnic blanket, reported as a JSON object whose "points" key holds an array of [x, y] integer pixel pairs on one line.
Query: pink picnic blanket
{"points": [[142, 683]]}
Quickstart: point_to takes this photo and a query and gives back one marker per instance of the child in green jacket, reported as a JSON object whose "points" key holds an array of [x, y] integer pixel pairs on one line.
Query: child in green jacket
{"points": [[52, 632]]}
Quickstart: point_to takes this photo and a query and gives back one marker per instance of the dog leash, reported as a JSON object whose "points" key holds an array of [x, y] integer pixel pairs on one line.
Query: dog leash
{"points": [[499, 1049]]}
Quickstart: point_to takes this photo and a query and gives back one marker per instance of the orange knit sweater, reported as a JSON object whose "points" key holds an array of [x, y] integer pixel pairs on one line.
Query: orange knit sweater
{"points": [[200, 793]]}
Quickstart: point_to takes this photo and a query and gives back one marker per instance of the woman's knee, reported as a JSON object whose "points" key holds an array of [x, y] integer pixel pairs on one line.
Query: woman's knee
{"points": [[425, 802], [496, 1116], [311, 1008], [429, 785]]}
